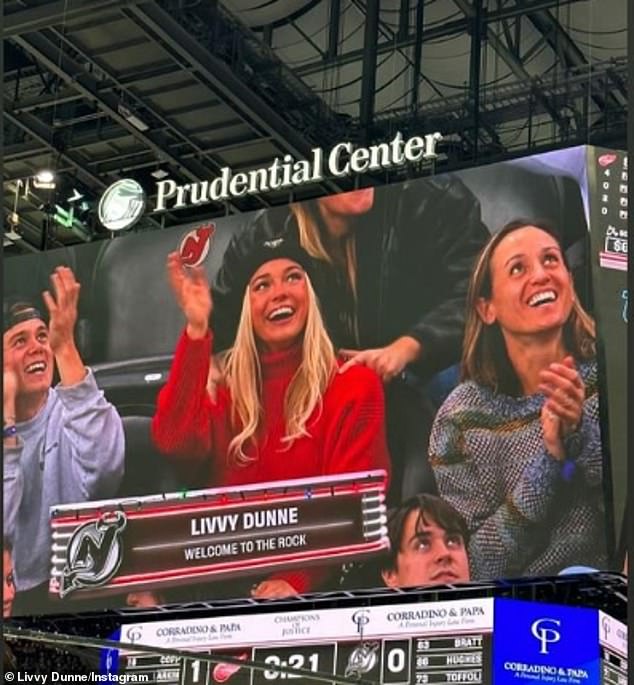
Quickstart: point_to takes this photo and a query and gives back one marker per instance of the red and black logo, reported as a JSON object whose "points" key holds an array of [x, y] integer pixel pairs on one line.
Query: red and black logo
{"points": [[194, 247]]}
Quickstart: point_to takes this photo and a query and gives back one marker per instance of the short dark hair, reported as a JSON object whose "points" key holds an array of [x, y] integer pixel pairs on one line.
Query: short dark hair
{"points": [[7, 545], [429, 507]]}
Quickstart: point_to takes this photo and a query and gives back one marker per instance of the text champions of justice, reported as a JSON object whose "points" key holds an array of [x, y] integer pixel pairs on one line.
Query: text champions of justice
{"points": [[286, 172]]}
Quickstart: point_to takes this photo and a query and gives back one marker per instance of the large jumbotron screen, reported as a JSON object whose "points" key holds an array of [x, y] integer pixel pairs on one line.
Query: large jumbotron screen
{"points": [[469, 423]]}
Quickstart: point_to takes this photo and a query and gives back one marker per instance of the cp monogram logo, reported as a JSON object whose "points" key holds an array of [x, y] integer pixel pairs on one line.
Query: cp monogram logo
{"points": [[546, 635]]}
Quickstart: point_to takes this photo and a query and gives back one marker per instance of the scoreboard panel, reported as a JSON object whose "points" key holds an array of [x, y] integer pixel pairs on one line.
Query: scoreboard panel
{"points": [[613, 640], [476, 641], [613, 668], [407, 661], [398, 644]]}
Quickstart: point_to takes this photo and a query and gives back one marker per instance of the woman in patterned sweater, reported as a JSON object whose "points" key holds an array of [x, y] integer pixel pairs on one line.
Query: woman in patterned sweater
{"points": [[516, 447]]}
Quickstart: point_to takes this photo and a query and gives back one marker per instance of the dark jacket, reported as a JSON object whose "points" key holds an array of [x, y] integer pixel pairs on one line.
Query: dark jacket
{"points": [[415, 250]]}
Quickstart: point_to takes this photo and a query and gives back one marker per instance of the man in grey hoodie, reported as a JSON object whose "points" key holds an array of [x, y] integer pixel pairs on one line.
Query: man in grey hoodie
{"points": [[62, 444]]}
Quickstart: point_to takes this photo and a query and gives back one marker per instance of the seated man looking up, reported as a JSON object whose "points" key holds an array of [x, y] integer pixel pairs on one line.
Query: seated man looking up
{"points": [[428, 544], [62, 444]]}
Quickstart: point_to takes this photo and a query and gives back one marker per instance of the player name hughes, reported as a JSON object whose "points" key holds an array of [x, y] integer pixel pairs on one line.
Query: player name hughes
{"points": [[247, 520]]}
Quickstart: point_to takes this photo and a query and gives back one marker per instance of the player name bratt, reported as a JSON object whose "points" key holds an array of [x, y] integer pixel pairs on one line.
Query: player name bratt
{"points": [[248, 520]]}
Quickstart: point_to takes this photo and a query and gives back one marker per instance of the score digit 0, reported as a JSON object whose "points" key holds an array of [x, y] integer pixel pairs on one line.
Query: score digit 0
{"points": [[397, 659]]}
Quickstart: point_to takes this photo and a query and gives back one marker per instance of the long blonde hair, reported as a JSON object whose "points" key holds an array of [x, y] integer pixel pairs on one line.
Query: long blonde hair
{"points": [[484, 356], [310, 228], [243, 377]]}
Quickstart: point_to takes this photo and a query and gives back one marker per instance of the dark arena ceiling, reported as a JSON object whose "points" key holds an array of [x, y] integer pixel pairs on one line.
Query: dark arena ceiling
{"points": [[98, 90]]}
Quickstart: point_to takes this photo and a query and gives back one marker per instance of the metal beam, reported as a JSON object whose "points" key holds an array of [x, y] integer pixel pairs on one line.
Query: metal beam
{"points": [[40, 132], [386, 30], [17, 151], [418, 50], [477, 31], [221, 79], [511, 61], [563, 46], [60, 12], [403, 20], [73, 74], [63, 96], [110, 164], [368, 74], [333, 29], [447, 29], [66, 95], [557, 38], [131, 97]]}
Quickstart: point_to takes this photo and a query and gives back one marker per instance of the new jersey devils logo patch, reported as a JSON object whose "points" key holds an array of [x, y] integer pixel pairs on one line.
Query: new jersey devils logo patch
{"points": [[194, 247], [94, 553]]}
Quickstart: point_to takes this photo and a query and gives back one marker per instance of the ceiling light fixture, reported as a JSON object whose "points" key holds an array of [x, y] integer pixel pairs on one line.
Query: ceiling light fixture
{"points": [[44, 180], [132, 118], [158, 174]]}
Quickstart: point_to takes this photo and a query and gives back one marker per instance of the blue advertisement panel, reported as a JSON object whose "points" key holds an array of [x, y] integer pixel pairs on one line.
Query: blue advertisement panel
{"points": [[545, 643], [109, 656]]}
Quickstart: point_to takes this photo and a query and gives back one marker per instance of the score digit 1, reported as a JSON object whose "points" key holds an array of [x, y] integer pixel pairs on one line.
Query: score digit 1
{"points": [[194, 672]]}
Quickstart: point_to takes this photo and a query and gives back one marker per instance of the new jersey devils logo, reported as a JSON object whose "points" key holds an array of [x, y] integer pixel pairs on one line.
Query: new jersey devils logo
{"points": [[194, 247], [94, 553], [362, 660]]}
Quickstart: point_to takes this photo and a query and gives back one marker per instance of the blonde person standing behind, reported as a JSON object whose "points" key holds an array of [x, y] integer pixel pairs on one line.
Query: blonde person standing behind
{"points": [[516, 447]]}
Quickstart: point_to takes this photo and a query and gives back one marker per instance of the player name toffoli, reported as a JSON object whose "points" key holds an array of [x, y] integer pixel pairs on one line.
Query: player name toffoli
{"points": [[343, 159]]}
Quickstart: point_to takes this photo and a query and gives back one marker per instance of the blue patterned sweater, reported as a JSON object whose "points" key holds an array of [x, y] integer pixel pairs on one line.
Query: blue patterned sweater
{"points": [[528, 513]]}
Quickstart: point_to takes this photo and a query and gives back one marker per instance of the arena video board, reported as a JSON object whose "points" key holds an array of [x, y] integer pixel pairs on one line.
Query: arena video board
{"points": [[317, 434], [487, 641], [434, 642]]}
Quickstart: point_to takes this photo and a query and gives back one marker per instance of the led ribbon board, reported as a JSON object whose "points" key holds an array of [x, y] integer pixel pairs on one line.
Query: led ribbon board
{"points": [[183, 538], [396, 644]]}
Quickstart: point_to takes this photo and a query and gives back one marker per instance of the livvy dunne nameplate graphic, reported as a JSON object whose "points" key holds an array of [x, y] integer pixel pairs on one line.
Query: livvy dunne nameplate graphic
{"points": [[154, 542]]}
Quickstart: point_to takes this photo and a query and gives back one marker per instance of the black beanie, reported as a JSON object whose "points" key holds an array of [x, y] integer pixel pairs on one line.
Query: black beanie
{"points": [[271, 234]]}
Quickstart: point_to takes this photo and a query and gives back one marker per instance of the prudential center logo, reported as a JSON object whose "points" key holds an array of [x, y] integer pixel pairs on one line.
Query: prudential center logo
{"points": [[122, 205], [543, 630]]}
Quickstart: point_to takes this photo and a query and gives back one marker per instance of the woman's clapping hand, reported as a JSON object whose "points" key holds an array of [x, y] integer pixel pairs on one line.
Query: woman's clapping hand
{"points": [[561, 414]]}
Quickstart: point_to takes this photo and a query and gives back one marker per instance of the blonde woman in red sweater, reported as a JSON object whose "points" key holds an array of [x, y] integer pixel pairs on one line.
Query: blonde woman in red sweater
{"points": [[282, 410]]}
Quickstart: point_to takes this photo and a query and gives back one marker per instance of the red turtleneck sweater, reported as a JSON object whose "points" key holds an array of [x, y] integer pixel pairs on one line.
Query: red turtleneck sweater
{"points": [[348, 435]]}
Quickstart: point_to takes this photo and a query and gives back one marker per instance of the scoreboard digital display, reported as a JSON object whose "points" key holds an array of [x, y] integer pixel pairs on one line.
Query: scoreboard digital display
{"points": [[613, 668], [408, 661], [481, 641], [613, 641], [401, 644]]}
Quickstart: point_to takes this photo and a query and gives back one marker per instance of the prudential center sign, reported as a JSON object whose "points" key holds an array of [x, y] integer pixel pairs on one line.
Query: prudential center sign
{"points": [[121, 205]]}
